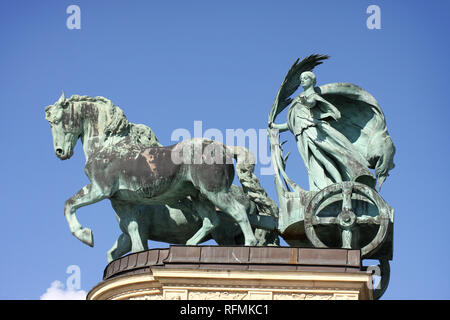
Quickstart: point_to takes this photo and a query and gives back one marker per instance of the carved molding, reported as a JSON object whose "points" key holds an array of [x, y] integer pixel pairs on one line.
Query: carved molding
{"points": [[178, 284], [250, 295]]}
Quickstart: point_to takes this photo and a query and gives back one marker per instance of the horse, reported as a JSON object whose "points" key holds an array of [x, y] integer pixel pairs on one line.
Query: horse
{"points": [[121, 166], [175, 224]]}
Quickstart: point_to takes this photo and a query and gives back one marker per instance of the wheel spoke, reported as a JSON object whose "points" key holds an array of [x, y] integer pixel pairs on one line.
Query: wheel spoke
{"points": [[346, 239], [368, 220], [324, 220], [346, 196]]}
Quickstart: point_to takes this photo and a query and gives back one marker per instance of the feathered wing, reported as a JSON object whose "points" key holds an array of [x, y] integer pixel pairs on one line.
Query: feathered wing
{"points": [[363, 123], [292, 82]]}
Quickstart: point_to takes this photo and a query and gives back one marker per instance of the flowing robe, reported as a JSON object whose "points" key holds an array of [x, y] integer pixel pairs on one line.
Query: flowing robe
{"points": [[328, 155]]}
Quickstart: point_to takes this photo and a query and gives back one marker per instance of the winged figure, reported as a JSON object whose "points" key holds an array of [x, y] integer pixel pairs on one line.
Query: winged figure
{"points": [[339, 128]]}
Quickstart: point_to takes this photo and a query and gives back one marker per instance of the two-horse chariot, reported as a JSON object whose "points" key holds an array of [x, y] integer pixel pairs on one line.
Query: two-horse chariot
{"points": [[340, 132]]}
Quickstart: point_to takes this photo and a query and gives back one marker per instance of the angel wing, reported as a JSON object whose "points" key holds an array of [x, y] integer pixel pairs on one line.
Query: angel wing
{"points": [[292, 82], [363, 123]]}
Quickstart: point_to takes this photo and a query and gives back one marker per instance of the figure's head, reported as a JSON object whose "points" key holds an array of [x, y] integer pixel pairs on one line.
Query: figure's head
{"points": [[307, 79], [66, 127]]}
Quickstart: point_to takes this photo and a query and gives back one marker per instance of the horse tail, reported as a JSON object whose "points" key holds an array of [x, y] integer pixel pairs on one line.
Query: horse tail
{"points": [[245, 165]]}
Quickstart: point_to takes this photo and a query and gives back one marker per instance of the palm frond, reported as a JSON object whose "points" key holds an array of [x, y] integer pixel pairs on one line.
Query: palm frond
{"points": [[292, 81]]}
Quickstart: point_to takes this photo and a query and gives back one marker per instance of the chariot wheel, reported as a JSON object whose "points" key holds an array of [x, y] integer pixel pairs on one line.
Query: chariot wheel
{"points": [[346, 219]]}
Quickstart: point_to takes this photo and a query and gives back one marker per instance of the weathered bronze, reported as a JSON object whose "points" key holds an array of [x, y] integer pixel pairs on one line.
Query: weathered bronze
{"points": [[177, 223], [125, 163], [183, 194], [339, 128], [341, 134]]}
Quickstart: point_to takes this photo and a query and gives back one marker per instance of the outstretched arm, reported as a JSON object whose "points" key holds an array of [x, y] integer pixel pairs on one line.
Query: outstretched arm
{"points": [[281, 127]]}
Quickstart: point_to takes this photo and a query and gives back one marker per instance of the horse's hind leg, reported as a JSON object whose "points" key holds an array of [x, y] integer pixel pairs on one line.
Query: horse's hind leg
{"points": [[120, 247], [226, 202], [207, 212], [138, 240], [133, 225]]}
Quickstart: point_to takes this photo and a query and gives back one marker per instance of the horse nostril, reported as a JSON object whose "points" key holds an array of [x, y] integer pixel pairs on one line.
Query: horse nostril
{"points": [[59, 151]]}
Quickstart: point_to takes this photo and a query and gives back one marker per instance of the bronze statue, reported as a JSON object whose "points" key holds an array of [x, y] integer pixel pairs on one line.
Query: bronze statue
{"points": [[339, 139], [124, 162], [184, 194]]}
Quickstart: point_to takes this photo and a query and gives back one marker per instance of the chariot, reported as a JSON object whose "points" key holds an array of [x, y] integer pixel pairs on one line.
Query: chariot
{"points": [[341, 133], [348, 215]]}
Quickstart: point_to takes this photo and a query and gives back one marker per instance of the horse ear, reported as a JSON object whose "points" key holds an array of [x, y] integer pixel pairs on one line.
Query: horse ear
{"points": [[47, 112], [62, 98]]}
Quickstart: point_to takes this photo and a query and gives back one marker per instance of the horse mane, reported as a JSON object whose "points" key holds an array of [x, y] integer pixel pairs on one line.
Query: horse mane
{"points": [[118, 124]]}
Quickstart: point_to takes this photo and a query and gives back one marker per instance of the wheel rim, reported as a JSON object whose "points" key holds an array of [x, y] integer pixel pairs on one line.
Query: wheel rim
{"points": [[347, 220]]}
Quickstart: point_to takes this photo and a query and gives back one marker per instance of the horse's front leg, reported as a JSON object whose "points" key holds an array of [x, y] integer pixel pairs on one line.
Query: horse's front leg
{"points": [[86, 196]]}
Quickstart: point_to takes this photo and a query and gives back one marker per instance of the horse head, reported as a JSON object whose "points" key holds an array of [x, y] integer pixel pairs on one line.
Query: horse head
{"points": [[66, 127]]}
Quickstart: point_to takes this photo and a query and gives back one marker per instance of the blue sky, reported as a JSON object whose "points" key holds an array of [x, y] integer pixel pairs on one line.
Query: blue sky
{"points": [[168, 64]]}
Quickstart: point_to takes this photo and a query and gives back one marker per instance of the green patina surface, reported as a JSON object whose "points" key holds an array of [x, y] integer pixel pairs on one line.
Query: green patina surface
{"points": [[339, 128], [340, 133], [126, 164]]}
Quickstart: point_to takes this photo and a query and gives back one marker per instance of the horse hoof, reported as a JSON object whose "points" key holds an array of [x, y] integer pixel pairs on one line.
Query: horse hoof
{"points": [[85, 235], [191, 243]]}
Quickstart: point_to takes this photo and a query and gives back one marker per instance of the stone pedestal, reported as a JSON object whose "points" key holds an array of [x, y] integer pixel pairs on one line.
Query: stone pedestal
{"points": [[235, 273]]}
